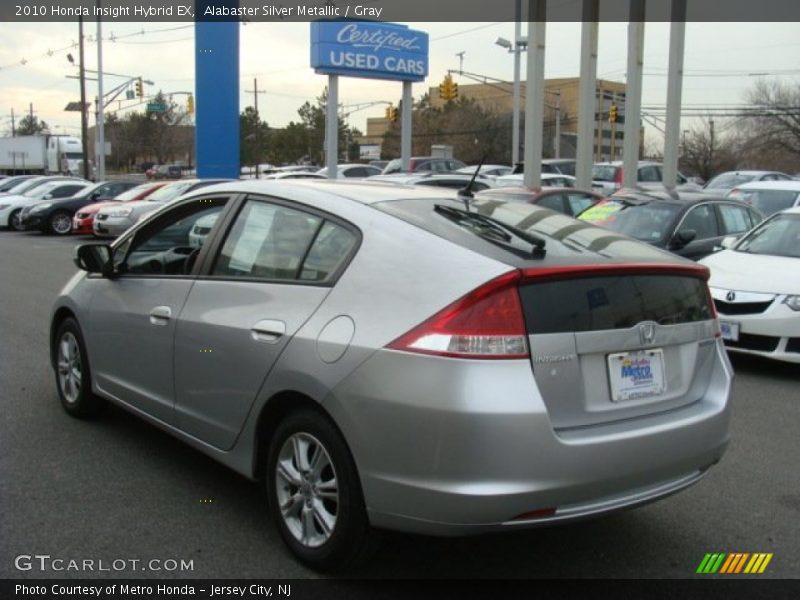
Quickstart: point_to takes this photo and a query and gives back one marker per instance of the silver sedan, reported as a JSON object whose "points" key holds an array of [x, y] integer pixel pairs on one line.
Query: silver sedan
{"points": [[396, 357]]}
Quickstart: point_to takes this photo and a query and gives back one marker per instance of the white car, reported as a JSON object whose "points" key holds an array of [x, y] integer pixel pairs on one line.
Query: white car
{"points": [[491, 171], [548, 180], [769, 196], [725, 182], [11, 205], [755, 284], [352, 170]]}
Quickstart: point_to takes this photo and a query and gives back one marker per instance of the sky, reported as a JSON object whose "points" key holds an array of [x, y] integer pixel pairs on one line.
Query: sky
{"points": [[721, 63]]}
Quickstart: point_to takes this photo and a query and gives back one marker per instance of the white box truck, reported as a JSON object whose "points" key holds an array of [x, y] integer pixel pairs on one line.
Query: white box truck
{"points": [[46, 154]]}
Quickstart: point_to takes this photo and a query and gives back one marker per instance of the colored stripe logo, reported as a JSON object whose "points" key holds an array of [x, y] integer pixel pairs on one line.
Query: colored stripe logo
{"points": [[734, 563]]}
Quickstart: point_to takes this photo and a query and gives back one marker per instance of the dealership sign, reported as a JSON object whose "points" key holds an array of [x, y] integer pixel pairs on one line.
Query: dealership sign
{"points": [[369, 49]]}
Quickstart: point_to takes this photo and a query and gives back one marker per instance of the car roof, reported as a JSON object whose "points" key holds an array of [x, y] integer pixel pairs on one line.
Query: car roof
{"points": [[747, 172], [362, 191], [681, 198], [787, 185]]}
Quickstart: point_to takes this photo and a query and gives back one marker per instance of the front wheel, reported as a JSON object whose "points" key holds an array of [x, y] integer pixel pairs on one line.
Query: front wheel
{"points": [[73, 377], [60, 223], [14, 220], [315, 495]]}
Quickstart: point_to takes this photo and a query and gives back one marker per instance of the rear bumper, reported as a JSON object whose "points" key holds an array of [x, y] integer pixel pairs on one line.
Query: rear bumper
{"points": [[451, 447]]}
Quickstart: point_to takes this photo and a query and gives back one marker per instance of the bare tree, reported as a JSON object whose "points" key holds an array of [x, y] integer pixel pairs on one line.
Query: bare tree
{"points": [[778, 110], [706, 150]]}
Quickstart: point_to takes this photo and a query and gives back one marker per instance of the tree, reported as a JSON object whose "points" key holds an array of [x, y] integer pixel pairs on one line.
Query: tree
{"points": [[706, 150], [778, 122], [31, 125], [473, 131], [253, 137]]}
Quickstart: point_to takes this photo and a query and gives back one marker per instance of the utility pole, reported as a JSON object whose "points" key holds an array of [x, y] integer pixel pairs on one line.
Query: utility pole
{"points": [[84, 124], [613, 128], [100, 132], [557, 138], [601, 97], [460, 56], [255, 91], [31, 111], [13, 124]]}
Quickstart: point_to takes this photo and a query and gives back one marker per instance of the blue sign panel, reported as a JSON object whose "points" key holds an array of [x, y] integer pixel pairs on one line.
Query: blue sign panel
{"points": [[216, 96], [369, 49]]}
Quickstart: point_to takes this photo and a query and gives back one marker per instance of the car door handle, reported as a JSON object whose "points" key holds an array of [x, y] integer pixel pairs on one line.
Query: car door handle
{"points": [[268, 331], [160, 315]]}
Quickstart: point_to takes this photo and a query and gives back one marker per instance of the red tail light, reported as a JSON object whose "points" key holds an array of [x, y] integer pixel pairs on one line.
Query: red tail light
{"points": [[487, 323], [618, 177]]}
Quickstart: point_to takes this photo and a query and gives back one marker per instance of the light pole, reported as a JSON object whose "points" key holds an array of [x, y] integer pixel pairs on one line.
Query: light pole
{"points": [[84, 124], [100, 133], [516, 49]]}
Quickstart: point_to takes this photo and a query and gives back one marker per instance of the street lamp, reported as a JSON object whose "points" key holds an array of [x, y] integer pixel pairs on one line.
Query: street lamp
{"points": [[516, 49]]}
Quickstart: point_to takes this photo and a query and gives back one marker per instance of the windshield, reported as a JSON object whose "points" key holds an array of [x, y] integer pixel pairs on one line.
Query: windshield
{"points": [[769, 201], [27, 185], [170, 192], [132, 193], [73, 155], [646, 222], [729, 180], [11, 183], [779, 236]]}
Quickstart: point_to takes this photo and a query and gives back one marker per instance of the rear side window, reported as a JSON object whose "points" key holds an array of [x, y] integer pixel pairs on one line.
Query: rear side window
{"points": [[553, 202], [580, 202], [613, 302], [735, 219], [275, 242]]}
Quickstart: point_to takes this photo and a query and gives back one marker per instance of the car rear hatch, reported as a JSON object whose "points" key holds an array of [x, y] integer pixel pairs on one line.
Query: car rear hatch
{"points": [[612, 342]]}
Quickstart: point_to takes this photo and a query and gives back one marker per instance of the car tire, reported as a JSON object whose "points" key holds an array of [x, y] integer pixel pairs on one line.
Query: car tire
{"points": [[14, 221], [73, 376], [315, 496], [60, 223]]}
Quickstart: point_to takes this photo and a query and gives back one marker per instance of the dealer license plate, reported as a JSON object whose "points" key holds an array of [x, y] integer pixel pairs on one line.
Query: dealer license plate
{"points": [[635, 375], [729, 330]]}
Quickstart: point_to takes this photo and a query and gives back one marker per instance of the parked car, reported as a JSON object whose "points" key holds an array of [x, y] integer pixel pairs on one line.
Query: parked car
{"points": [[423, 163], [381, 164], [455, 181], [562, 166], [167, 172], [294, 175], [755, 283], [548, 180], [114, 220], [690, 224], [382, 357], [83, 221], [768, 196], [12, 205], [567, 201], [353, 170], [607, 177], [491, 171], [725, 182], [55, 216], [10, 182]]}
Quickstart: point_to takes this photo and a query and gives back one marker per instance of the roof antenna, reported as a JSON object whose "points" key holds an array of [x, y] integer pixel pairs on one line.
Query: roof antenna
{"points": [[465, 193]]}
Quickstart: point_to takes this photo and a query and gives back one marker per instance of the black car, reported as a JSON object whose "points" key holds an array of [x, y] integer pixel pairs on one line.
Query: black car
{"points": [[55, 216], [690, 224]]}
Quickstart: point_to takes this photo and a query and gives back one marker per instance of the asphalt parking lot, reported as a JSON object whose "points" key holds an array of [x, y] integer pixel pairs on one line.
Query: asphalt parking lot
{"points": [[119, 488]]}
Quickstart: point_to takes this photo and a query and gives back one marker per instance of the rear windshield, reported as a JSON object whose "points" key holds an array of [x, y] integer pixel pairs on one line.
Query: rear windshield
{"points": [[769, 201], [603, 173], [729, 180], [565, 238], [613, 302], [648, 222]]}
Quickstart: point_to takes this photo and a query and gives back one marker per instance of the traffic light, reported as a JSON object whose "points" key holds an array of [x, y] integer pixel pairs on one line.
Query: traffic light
{"points": [[190, 104], [139, 88], [448, 90], [612, 113]]}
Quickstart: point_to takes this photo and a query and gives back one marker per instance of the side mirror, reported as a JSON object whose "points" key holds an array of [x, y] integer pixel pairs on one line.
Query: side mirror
{"points": [[682, 238], [94, 195], [94, 258], [728, 242]]}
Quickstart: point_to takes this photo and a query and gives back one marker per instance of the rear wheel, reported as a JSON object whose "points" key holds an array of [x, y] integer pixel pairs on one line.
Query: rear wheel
{"points": [[314, 493], [60, 223], [73, 377], [14, 220]]}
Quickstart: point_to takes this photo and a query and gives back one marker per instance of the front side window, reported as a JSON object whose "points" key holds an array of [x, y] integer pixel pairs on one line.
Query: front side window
{"points": [[702, 221], [170, 245], [735, 219]]}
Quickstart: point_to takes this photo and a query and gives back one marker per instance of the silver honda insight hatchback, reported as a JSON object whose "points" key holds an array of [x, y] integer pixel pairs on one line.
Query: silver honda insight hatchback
{"points": [[392, 357]]}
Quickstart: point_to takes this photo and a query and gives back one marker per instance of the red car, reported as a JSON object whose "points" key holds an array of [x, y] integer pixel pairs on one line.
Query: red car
{"points": [[84, 218]]}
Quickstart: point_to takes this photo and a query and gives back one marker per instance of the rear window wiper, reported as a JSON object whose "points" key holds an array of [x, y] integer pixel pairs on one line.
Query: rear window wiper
{"points": [[495, 225]]}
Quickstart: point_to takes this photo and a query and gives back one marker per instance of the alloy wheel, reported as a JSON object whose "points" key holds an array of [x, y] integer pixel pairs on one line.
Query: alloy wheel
{"points": [[61, 224], [69, 368], [307, 489]]}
